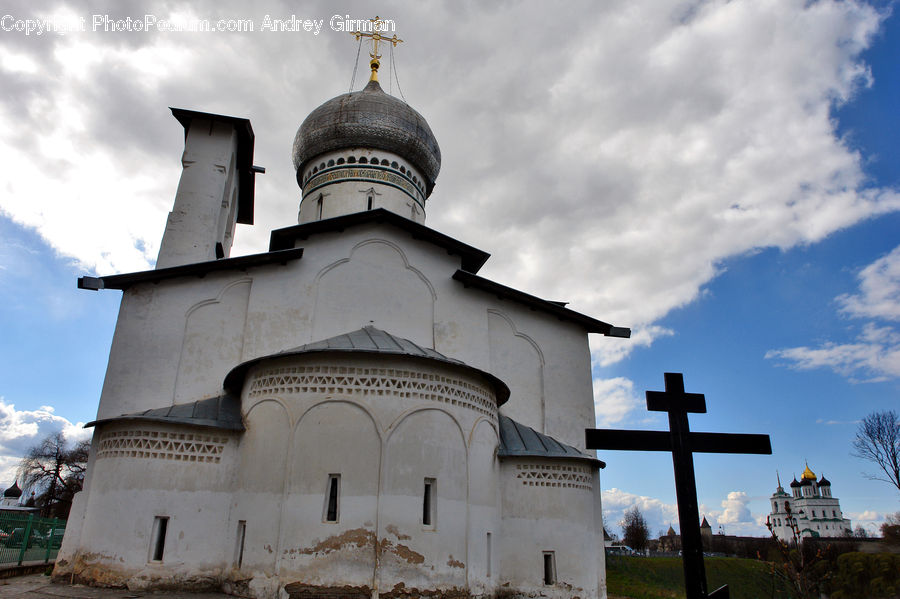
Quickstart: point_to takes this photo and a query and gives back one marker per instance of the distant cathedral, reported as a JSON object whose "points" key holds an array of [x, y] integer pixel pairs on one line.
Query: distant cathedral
{"points": [[355, 412], [809, 510]]}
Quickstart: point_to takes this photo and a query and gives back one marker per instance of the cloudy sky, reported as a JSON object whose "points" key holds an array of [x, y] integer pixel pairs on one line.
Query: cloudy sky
{"points": [[719, 176]]}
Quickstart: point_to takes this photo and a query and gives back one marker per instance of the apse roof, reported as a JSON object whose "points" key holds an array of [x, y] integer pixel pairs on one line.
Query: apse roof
{"points": [[518, 440], [369, 340], [223, 412]]}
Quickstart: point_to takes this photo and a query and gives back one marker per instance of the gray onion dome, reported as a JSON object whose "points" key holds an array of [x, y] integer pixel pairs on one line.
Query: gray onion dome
{"points": [[369, 118], [14, 492]]}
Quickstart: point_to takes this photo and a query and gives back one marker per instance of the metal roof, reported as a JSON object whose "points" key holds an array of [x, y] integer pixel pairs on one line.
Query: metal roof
{"points": [[472, 259], [197, 269], [592, 325], [518, 440], [369, 340], [223, 412], [369, 118]]}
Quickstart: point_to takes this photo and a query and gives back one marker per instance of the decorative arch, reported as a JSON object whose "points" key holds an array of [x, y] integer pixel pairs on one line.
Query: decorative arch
{"points": [[517, 359], [424, 443], [392, 428], [212, 342], [334, 437], [376, 284], [390, 244]]}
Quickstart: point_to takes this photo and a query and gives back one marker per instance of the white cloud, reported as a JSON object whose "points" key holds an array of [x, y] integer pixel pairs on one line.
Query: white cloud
{"points": [[658, 514], [605, 352], [643, 146], [22, 429], [736, 517], [614, 399], [866, 516], [879, 290], [736, 508], [875, 354]]}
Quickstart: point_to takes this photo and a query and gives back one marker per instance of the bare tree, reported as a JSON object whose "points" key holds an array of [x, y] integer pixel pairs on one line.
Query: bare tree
{"points": [[55, 472], [878, 440], [635, 529], [890, 530]]}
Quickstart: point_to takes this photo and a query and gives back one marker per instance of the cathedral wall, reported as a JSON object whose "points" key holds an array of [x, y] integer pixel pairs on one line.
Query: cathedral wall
{"points": [[159, 497], [551, 542], [174, 342]]}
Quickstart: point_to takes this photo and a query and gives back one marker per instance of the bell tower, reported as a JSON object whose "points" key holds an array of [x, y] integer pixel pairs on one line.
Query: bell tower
{"points": [[215, 191]]}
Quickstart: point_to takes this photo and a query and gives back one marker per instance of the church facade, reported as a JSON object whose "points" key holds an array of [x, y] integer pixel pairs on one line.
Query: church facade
{"points": [[355, 411], [809, 510]]}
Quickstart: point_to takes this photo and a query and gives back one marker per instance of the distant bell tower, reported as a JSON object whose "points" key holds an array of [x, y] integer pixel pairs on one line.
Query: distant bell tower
{"points": [[365, 150], [215, 191]]}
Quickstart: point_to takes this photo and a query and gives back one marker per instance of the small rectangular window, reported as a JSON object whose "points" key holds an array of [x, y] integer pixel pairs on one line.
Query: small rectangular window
{"points": [[239, 543], [332, 498], [488, 549], [429, 502], [369, 203], [158, 538], [549, 567]]}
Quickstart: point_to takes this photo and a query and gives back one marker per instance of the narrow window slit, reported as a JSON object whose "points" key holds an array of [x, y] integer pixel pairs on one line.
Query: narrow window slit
{"points": [[428, 503], [158, 538], [549, 568], [239, 543], [334, 489], [488, 540]]}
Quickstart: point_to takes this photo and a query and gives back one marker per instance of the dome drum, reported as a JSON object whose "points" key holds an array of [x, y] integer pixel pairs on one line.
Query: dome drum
{"points": [[359, 179]]}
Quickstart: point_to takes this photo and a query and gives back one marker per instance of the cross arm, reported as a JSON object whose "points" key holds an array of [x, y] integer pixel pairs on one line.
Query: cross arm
{"points": [[634, 440], [664, 401]]}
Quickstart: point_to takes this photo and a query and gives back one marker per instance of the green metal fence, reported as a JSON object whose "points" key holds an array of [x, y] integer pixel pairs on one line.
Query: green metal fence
{"points": [[29, 538]]}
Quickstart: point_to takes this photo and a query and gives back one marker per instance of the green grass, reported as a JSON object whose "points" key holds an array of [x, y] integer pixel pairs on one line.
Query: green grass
{"points": [[663, 578]]}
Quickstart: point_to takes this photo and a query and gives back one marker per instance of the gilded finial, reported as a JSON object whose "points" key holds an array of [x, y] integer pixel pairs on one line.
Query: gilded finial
{"points": [[377, 25]]}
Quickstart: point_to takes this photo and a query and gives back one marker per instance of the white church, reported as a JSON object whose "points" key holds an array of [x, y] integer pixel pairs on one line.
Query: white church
{"points": [[355, 412], [809, 510]]}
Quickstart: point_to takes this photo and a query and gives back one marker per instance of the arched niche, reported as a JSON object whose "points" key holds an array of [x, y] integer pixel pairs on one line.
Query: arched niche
{"points": [[424, 446], [376, 285], [213, 342], [335, 438], [517, 360]]}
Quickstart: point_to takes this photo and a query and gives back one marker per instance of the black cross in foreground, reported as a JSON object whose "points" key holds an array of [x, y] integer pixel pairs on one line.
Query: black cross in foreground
{"points": [[683, 444]]}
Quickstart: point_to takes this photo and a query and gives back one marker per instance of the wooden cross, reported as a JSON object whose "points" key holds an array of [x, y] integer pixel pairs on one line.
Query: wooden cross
{"points": [[375, 37], [683, 444]]}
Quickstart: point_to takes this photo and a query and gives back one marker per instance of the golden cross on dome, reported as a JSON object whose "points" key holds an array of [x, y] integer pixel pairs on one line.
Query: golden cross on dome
{"points": [[377, 26]]}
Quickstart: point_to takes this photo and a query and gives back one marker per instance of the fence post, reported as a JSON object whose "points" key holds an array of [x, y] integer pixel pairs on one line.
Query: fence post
{"points": [[50, 539], [26, 538]]}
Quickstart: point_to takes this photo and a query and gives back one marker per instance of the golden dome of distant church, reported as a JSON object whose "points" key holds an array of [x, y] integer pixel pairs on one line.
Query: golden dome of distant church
{"points": [[808, 474]]}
